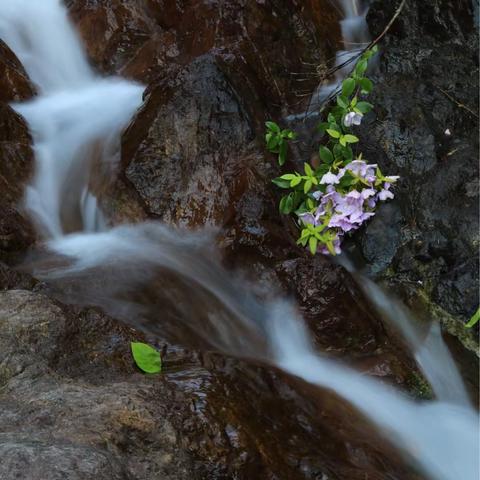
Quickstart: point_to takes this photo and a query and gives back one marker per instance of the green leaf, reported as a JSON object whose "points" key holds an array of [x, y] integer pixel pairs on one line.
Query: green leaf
{"points": [[307, 186], [312, 244], [279, 182], [350, 138], [291, 135], [322, 127], [282, 154], [272, 141], [343, 142], [363, 107], [325, 154], [366, 85], [334, 133], [288, 176], [361, 67], [474, 320], [146, 357], [295, 181], [308, 169], [272, 126], [348, 86], [342, 101]]}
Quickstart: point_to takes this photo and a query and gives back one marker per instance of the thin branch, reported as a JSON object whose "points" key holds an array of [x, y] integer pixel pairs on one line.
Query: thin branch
{"points": [[456, 102]]}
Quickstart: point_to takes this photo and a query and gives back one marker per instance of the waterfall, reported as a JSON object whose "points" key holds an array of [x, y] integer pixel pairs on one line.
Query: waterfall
{"points": [[78, 118], [75, 120]]}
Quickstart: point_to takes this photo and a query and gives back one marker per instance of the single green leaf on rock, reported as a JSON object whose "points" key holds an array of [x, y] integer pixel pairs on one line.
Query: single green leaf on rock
{"points": [[273, 127], [474, 320], [348, 86], [146, 357], [334, 133], [325, 154]]}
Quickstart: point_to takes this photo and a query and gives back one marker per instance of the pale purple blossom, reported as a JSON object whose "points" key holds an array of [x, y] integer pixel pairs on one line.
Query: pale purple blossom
{"points": [[385, 195], [329, 178], [352, 118]]}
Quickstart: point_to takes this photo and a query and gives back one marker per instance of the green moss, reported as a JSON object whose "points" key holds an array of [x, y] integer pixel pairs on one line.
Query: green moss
{"points": [[419, 387]]}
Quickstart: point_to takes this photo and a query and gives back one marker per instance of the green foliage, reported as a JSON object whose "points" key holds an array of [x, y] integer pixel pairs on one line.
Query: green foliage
{"points": [[277, 139], [474, 320], [335, 153], [146, 357]]}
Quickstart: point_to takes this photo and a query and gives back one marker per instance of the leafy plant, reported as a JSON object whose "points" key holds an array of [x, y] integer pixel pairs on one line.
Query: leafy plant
{"points": [[341, 193], [146, 357], [474, 320], [277, 140]]}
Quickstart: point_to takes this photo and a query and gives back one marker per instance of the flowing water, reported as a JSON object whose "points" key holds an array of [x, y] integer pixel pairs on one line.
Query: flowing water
{"points": [[76, 122]]}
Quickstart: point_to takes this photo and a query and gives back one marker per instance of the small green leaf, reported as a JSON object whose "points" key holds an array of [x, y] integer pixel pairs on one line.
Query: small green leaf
{"points": [[272, 126], [342, 101], [334, 133], [322, 127], [295, 181], [272, 142], [343, 142], [474, 320], [288, 176], [279, 182], [307, 186], [282, 154], [146, 357], [308, 169], [366, 85], [348, 86], [363, 107], [350, 138], [312, 244], [361, 67], [325, 154]]}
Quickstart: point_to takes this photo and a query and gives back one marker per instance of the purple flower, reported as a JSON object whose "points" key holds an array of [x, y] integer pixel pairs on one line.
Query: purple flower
{"points": [[341, 221], [385, 195], [352, 118], [317, 195], [367, 193], [329, 178], [372, 202], [309, 219]]}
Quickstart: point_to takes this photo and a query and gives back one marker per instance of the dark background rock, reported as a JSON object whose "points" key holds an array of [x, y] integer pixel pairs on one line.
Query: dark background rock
{"points": [[425, 128]]}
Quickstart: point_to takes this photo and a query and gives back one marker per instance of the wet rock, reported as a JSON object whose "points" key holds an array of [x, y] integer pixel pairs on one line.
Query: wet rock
{"points": [[72, 401], [15, 156], [14, 82], [426, 130]]}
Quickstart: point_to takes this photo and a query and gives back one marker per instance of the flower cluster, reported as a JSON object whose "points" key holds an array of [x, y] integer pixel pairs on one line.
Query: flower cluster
{"points": [[342, 193], [345, 211]]}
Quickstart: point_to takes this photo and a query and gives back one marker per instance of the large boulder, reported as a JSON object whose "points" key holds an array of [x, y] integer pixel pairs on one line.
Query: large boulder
{"points": [[426, 130]]}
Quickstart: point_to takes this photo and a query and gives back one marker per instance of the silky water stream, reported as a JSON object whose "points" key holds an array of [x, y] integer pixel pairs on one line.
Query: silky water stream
{"points": [[78, 116]]}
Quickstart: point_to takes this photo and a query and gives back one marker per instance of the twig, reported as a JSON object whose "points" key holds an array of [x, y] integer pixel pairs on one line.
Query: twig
{"points": [[456, 102], [389, 25]]}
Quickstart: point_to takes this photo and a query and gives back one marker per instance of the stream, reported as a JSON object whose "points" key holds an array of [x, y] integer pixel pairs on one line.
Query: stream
{"points": [[76, 122]]}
